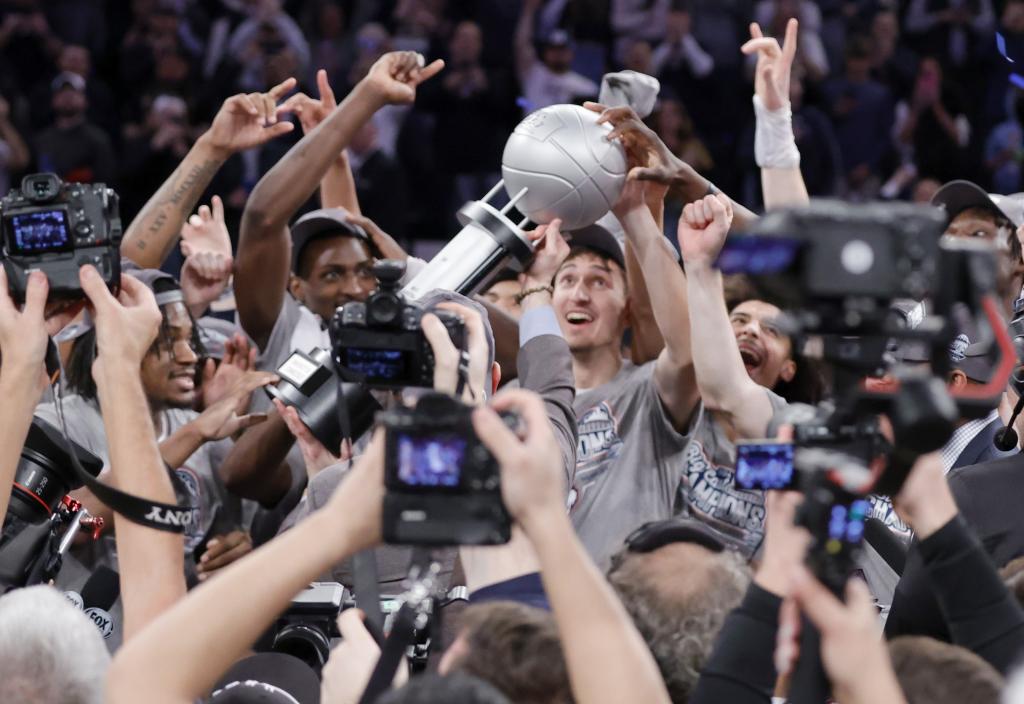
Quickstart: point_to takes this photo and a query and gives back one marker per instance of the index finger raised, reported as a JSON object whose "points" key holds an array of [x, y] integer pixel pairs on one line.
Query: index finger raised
{"points": [[281, 88]]}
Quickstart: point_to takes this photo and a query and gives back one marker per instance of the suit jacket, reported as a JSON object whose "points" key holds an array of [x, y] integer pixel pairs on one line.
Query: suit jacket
{"points": [[989, 497], [982, 448]]}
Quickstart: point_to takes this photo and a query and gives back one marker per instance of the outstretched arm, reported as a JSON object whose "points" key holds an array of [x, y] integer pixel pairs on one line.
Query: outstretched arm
{"points": [[774, 145], [209, 629], [664, 167], [722, 379], [264, 245], [526, 56], [152, 562], [673, 374], [243, 121]]}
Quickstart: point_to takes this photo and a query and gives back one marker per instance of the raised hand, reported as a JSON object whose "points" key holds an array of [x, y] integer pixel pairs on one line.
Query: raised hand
{"points": [[632, 198], [249, 120], [218, 380], [221, 551], [395, 75], [447, 357], [703, 228], [309, 111], [774, 64], [550, 252], [531, 465], [314, 454], [226, 417], [206, 231], [126, 326], [348, 669], [385, 243], [24, 334]]}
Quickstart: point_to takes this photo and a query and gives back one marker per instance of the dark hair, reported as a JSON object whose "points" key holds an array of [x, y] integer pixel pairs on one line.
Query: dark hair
{"points": [[456, 688], [678, 597], [78, 369], [516, 648], [810, 382], [579, 250], [304, 266], [932, 672]]}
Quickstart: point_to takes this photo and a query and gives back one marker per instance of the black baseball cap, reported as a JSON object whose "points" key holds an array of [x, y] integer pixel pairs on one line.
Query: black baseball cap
{"points": [[271, 678], [557, 38], [325, 222], [67, 79], [958, 196], [601, 241]]}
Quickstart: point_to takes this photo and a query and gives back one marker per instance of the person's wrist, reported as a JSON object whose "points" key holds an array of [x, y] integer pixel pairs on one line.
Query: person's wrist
{"points": [[931, 513], [542, 520], [370, 92], [207, 148]]}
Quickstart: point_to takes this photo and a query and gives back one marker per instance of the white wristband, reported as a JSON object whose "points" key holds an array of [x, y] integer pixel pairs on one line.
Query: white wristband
{"points": [[774, 145]]}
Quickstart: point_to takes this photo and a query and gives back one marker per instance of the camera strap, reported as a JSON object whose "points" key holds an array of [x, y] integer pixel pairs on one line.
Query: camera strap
{"points": [[169, 518]]}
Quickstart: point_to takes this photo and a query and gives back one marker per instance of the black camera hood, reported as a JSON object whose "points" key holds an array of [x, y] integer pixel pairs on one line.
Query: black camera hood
{"points": [[46, 445]]}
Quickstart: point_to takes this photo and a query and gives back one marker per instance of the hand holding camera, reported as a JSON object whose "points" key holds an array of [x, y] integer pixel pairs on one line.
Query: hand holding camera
{"points": [[448, 359], [925, 501], [126, 326], [24, 334]]}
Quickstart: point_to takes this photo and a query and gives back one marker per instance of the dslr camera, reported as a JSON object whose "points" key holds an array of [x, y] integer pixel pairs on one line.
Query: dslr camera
{"points": [[41, 519], [380, 343], [443, 486], [57, 227]]}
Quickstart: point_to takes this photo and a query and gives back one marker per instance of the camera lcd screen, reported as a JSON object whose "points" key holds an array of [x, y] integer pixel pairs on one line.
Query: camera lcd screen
{"points": [[377, 364], [745, 254], [846, 523], [430, 461], [38, 232], [765, 465]]}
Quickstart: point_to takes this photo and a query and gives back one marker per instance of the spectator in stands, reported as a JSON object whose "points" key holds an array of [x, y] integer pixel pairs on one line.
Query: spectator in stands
{"points": [[1004, 150], [862, 111], [892, 63], [930, 127], [151, 156], [773, 15], [102, 111], [549, 79], [672, 122], [331, 41], [27, 43], [14, 154], [470, 105], [680, 57], [633, 20], [74, 148], [953, 30], [268, 31], [380, 181]]}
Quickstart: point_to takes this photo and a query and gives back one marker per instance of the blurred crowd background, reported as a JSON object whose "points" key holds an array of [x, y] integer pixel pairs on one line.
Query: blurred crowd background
{"points": [[889, 98]]}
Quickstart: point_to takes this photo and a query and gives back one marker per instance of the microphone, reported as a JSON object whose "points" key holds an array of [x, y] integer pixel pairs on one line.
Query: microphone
{"points": [[98, 595], [1006, 439]]}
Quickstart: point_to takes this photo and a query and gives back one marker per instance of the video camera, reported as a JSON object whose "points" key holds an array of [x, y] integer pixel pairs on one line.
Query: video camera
{"points": [[837, 269], [443, 485], [380, 343], [41, 519], [56, 228]]}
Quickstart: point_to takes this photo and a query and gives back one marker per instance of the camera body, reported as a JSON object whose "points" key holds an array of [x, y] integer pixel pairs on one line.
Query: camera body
{"points": [[443, 486], [310, 624], [56, 228], [332, 409], [380, 343]]}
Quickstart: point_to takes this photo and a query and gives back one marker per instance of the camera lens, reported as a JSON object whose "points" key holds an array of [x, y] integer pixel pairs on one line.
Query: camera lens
{"points": [[305, 641], [38, 487]]}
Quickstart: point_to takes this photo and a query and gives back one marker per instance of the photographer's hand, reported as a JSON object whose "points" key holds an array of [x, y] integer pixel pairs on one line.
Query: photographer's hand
{"points": [[151, 561], [785, 544], [24, 336], [607, 659], [925, 502], [447, 358], [348, 669], [853, 651], [314, 454], [211, 627]]}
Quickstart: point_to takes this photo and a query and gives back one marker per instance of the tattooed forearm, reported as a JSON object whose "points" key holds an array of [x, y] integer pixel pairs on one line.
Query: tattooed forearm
{"points": [[155, 229]]}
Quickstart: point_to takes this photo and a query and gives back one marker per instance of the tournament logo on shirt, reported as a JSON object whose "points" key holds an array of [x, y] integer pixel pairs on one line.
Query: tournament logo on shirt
{"points": [[599, 444], [709, 493]]}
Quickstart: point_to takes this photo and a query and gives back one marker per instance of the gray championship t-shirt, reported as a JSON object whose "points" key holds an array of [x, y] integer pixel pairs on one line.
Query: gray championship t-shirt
{"points": [[708, 490], [629, 460], [199, 485]]}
